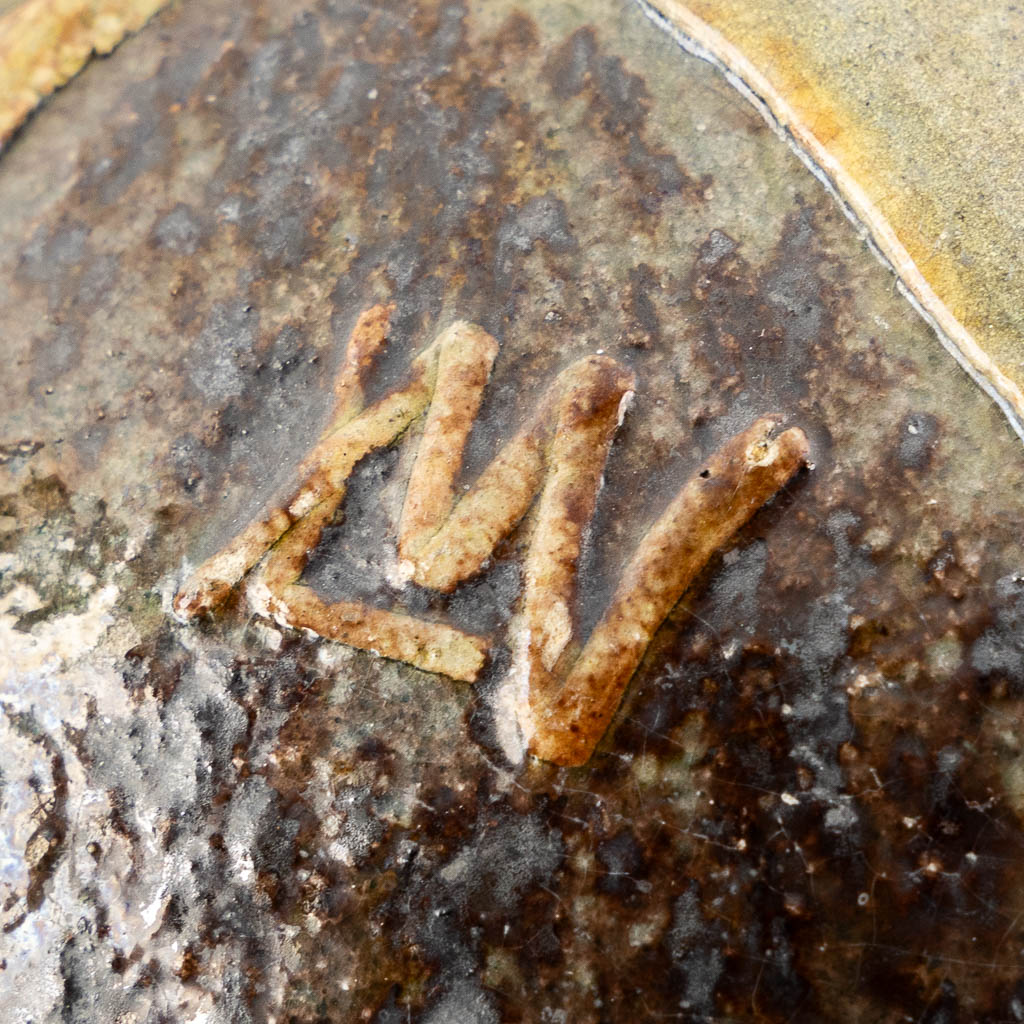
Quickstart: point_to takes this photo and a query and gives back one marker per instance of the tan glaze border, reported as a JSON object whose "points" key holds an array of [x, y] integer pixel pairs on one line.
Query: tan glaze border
{"points": [[45, 43], [697, 37]]}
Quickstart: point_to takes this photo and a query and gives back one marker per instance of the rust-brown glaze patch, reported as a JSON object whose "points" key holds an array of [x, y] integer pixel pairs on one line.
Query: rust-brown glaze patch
{"points": [[810, 806]]}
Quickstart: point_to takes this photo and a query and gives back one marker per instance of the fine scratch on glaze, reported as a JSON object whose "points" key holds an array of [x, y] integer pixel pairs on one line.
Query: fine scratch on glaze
{"points": [[565, 694]]}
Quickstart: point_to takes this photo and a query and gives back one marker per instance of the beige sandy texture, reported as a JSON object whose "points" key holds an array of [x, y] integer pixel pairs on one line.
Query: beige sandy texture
{"points": [[43, 43], [914, 111]]}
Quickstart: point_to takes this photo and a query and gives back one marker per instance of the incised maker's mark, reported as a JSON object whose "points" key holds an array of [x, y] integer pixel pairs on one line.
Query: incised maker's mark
{"points": [[563, 692]]}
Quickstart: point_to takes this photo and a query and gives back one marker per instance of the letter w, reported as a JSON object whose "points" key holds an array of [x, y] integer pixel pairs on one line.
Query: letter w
{"points": [[566, 694]]}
